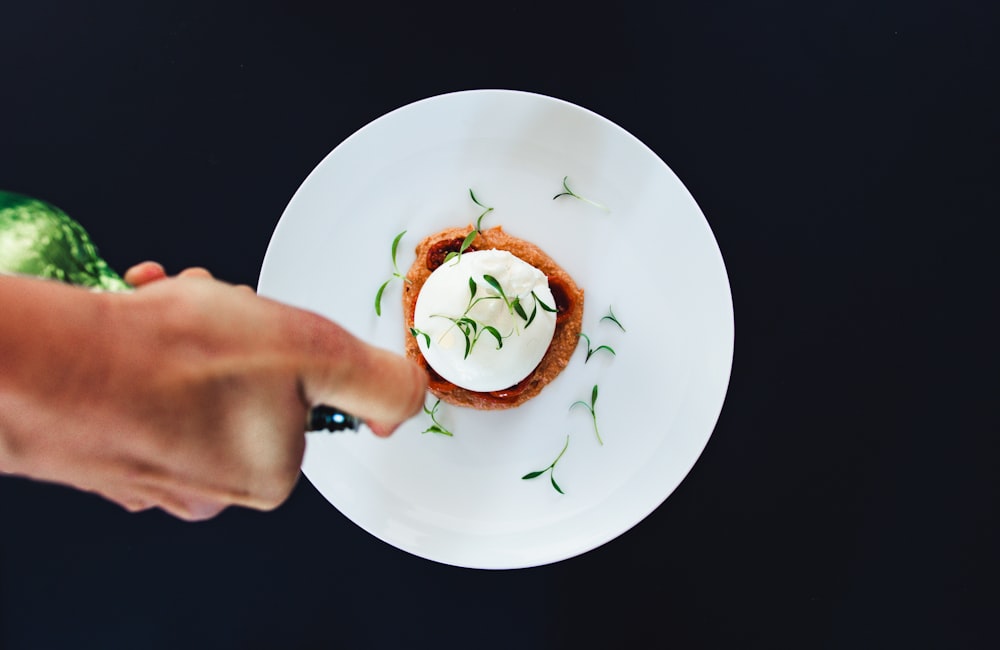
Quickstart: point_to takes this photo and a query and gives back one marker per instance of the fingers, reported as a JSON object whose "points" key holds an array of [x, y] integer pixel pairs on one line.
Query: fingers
{"points": [[195, 272], [144, 273], [143, 496], [380, 387]]}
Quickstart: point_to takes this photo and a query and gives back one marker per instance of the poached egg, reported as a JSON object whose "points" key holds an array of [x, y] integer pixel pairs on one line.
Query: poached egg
{"points": [[458, 289]]}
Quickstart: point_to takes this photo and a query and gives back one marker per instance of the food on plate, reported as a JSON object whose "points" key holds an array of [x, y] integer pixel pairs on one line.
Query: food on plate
{"points": [[493, 319]]}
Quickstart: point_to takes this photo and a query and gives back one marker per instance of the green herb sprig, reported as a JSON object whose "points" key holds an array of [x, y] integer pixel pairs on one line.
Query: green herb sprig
{"points": [[536, 302], [592, 407], [473, 331], [473, 289], [395, 274], [550, 469], [568, 192], [612, 318], [436, 426], [511, 309], [470, 328], [453, 255], [487, 210], [416, 332], [514, 306], [591, 351], [471, 237]]}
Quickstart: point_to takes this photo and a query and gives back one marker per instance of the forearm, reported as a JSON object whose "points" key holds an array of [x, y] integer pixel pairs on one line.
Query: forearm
{"points": [[53, 352]]}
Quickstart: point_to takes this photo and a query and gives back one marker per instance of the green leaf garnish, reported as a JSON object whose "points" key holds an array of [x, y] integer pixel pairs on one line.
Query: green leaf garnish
{"points": [[568, 192], [592, 407], [591, 350], [395, 246], [473, 330], [511, 304], [515, 306], [477, 201], [472, 233], [427, 337], [395, 274], [611, 317], [496, 334], [473, 301], [493, 282], [479, 221], [465, 245], [531, 318], [520, 311], [470, 328], [378, 297], [469, 342], [435, 426], [544, 306], [550, 469], [468, 241], [534, 309]]}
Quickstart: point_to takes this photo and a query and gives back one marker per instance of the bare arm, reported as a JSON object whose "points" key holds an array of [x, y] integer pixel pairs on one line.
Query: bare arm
{"points": [[188, 394]]}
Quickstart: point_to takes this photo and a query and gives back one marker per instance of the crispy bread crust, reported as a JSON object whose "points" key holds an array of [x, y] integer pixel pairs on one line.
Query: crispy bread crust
{"points": [[569, 303]]}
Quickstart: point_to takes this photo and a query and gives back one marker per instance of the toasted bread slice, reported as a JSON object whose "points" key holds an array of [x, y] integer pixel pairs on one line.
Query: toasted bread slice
{"points": [[569, 317]]}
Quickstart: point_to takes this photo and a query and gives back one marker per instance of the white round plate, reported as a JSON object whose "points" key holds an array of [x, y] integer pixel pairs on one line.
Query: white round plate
{"points": [[646, 252]]}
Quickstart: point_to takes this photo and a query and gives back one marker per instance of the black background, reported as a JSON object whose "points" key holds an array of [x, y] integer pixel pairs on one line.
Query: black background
{"points": [[844, 154]]}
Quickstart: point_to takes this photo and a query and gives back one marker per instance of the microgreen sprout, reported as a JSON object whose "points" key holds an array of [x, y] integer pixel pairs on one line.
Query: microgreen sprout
{"points": [[416, 332], [592, 350], [473, 301], [536, 302], [395, 274], [514, 306], [493, 282], [611, 317], [593, 412], [471, 237], [473, 330], [568, 192], [550, 469], [435, 425], [470, 328], [479, 221], [453, 255]]}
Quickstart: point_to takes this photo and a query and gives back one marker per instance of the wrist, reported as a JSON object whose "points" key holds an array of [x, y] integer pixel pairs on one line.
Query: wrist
{"points": [[53, 355]]}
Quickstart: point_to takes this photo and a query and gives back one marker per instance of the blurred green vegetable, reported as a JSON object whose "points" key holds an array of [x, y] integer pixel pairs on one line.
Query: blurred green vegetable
{"points": [[39, 239]]}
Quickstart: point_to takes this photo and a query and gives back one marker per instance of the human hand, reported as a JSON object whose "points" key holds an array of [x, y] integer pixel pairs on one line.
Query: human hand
{"points": [[147, 272], [196, 393]]}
